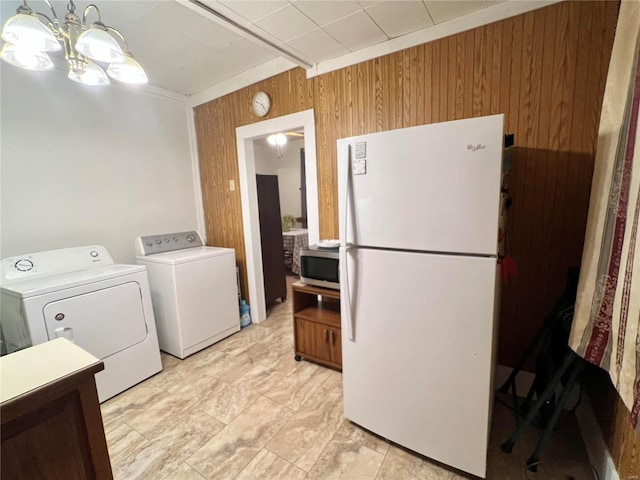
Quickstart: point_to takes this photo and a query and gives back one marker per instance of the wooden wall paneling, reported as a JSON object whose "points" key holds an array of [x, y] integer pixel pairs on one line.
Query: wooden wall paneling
{"points": [[535, 178], [496, 68], [524, 172], [559, 129], [428, 82], [369, 97], [575, 230], [324, 119], [478, 52], [359, 87], [486, 70], [444, 80], [548, 95], [459, 74], [410, 92], [378, 93], [469, 68], [436, 93], [452, 84], [420, 80]]}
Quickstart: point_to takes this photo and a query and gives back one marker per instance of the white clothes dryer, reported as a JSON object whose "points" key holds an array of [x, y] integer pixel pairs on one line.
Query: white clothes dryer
{"points": [[193, 289], [80, 294]]}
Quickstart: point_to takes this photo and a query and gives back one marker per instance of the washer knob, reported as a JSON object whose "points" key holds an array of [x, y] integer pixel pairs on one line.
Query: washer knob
{"points": [[93, 253], [191, 238], [24, 265]]}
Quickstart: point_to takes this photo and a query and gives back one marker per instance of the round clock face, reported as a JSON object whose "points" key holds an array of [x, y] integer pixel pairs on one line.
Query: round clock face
{"points": [[261, 104]]}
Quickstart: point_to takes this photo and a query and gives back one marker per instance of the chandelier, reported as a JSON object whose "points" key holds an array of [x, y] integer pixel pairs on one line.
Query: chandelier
{"points": [[27, 41]]}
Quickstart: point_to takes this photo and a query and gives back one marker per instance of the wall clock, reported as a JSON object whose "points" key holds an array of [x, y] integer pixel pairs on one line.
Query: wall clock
{"points": [[261, 104]]}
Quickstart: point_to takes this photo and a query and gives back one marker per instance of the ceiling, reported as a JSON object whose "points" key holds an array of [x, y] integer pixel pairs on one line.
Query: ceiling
{"points": [[186, 47]]}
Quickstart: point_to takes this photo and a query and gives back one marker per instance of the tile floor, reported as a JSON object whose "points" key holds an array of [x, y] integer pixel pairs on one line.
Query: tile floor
{"points": [[245, 409]]}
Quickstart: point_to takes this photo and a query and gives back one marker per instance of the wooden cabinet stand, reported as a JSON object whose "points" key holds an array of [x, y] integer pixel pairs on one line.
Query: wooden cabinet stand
{"points": [[316, 324], [52, 426]]}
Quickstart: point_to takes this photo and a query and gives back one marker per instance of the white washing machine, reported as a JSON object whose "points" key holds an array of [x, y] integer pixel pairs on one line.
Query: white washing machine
{"points": [[80, 294], [193, 289]]}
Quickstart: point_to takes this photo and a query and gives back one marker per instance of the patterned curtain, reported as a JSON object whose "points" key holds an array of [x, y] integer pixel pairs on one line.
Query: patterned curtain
{"points": [[606, 325]]}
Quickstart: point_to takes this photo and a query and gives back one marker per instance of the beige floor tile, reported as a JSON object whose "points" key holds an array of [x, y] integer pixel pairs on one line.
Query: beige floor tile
{"points": [[168, 361], [301, 421], [132, 402], [303, 439], [123, 441], [225, 402], [295, 389], [348, 460], [236, 344], [399, 463], [184, 472], [226, 454], [165, 414], [188, 371], [363, 437], [165, 453], [267, 466], [235, 367]]}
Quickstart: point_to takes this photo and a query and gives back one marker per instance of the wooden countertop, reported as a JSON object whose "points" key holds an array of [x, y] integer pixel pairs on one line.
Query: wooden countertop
{"points": [[31, 368]]}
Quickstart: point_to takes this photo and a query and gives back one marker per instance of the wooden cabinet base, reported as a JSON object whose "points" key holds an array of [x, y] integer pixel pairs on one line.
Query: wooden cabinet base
{"points": [[55, 432], [316, 325]]}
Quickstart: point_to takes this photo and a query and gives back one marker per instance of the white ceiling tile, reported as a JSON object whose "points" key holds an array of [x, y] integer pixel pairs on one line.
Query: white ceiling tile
{"points": [[441, 10], [356, 31], [286, 23], [323, 12], [318, 46], [397, 18], [224, 10], [253, 10]]}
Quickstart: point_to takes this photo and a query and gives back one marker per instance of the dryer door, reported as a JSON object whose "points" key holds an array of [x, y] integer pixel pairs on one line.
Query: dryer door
{"points": [[103, 322]]}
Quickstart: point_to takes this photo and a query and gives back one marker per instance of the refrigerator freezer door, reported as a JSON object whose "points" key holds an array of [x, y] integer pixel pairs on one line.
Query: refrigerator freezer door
{"points": [[419, 368], [428, 188]]}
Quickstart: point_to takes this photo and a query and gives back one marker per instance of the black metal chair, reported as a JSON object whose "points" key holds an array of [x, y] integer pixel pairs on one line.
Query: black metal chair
{"points": [[557, 370]]}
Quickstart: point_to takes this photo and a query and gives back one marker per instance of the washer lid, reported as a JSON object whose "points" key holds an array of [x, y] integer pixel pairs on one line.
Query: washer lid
{"points": [[187, 255], [51, 283]]}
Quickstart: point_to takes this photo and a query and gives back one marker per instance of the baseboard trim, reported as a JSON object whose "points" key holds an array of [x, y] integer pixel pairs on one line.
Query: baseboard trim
{"points": [[594, 442]]}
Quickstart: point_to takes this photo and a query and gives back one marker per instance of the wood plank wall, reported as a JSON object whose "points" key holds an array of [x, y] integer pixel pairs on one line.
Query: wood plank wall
{"points": [[545, 70]]}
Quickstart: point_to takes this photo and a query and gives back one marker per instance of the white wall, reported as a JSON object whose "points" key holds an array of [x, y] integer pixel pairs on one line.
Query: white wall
{"points": [[83, 165], [287, 168], [289, 178]]}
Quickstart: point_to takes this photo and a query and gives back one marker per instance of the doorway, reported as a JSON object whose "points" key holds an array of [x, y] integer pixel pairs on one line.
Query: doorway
{"points": [[301, 121]]}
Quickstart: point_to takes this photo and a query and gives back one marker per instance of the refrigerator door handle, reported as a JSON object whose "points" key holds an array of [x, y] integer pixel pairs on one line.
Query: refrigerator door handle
{"points": [[347, 314], [345, 246], [347, 179]]}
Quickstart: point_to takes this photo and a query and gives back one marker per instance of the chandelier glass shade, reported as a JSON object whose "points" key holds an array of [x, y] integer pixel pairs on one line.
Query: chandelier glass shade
{"points": [[25, 58], [27, 39]]}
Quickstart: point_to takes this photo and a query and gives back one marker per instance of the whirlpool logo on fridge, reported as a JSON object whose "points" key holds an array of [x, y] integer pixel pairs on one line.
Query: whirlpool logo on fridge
{"points": [[476, 147]]}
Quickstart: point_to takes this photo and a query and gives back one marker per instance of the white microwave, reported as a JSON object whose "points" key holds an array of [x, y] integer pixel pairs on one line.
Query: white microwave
{"points": [[320, 266]]}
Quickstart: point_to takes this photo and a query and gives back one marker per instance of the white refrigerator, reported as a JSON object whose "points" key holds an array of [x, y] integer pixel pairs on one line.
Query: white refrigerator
{"points": [[418, 218]]}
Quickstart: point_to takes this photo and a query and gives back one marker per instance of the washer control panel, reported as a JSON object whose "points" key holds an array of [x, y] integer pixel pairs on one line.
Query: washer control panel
{"points": [[54, 261], [152, 244]]}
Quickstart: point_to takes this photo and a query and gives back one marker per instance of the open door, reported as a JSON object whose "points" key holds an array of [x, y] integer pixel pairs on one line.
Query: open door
{"points": [[275, 285]]}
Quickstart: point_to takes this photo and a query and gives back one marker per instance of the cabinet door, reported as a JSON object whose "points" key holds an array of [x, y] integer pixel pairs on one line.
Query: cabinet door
{"points": [[335, 345], [313, 339]]}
